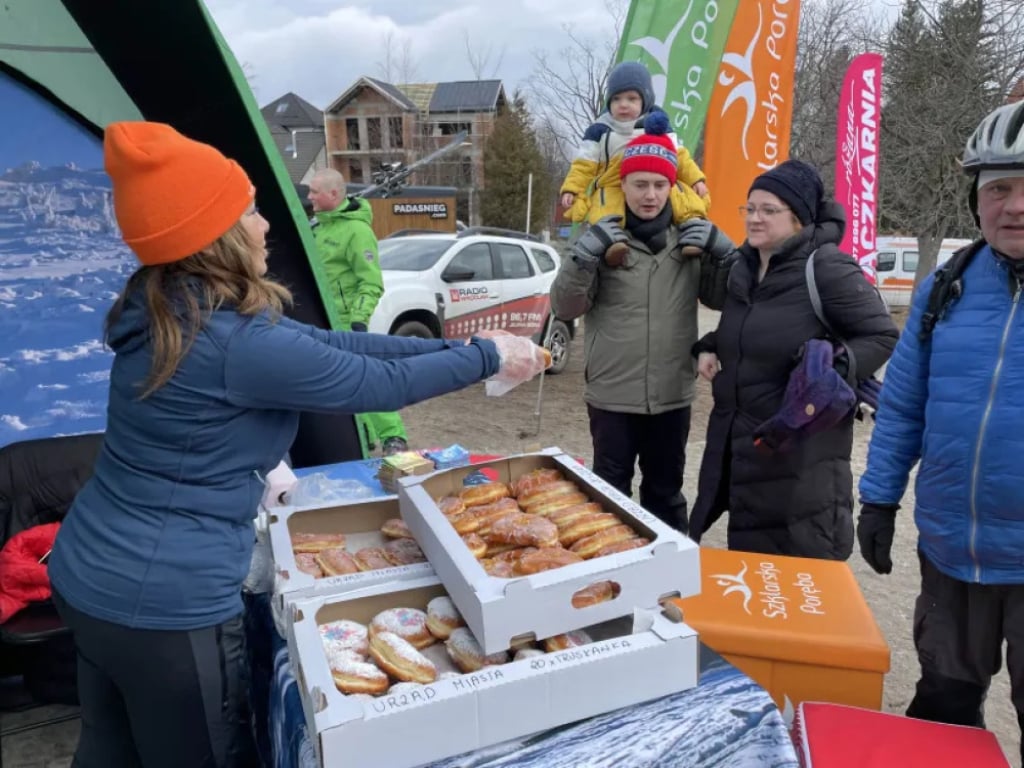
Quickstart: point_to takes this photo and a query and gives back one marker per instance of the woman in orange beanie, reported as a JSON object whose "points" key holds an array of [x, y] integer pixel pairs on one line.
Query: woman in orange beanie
{"points": [[206, 387]]}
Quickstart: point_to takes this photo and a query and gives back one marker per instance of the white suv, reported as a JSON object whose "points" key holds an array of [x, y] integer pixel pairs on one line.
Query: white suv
{"points": [[457, 284]]}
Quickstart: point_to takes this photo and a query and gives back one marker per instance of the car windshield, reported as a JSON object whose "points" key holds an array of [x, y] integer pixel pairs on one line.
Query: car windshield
{"points": [[412, 255]]}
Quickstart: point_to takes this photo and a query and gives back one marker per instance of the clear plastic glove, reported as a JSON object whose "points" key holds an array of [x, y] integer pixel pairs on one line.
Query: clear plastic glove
{"points": [[521, 360]]}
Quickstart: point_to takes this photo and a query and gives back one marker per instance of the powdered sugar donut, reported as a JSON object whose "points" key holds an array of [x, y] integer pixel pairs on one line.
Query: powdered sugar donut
{"points": [[467, 653], [345, 635], [354, 676], [410, 624], [399, 659], [526, 653], [443, 617]]}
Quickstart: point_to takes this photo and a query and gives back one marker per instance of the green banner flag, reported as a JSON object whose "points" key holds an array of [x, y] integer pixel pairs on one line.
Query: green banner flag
{"points": [[681, 43]]}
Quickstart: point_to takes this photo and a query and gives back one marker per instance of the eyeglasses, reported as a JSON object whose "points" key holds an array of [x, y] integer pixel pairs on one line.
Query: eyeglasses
{"points": [[766, 211]]}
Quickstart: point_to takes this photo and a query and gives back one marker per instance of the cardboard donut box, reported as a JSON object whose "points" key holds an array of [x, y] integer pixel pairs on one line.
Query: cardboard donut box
{"points": [[500, 610], [641, 656], [360, 521]]}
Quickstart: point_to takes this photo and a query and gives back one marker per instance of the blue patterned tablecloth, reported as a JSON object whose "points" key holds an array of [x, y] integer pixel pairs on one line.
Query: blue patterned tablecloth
{"points": [[727, 721]]}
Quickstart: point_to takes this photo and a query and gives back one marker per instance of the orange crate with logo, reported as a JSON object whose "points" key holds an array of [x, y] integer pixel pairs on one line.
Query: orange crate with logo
{"points": [[799, 627]]}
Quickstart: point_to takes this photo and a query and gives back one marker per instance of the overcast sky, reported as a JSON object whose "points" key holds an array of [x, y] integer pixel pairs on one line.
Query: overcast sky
{"points": [[317, 48]]}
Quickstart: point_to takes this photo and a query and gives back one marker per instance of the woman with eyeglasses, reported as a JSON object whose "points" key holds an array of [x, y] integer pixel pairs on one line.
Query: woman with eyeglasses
{"points": [[795, 499]]}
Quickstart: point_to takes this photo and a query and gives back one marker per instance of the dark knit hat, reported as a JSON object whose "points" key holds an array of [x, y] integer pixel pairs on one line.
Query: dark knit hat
{"points": [[798, 185], [630, 76]]}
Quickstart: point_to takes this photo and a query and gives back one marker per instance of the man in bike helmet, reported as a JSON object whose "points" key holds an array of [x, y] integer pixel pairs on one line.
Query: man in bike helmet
{"points": [[951, 401]]}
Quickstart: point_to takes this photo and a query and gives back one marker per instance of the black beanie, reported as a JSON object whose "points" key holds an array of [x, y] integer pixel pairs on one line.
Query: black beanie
{"points": [[798, 185]]}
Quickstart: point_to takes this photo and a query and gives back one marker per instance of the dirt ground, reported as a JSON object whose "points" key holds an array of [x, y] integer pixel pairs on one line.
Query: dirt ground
{"points": [[509, 425]]}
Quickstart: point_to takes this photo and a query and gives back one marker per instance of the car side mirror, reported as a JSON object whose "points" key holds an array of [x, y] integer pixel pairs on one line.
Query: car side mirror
{"points": [[457, 274]]}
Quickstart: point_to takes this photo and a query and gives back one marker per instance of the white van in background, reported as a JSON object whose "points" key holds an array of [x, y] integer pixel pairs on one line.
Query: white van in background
{"points": [[897, 264]]}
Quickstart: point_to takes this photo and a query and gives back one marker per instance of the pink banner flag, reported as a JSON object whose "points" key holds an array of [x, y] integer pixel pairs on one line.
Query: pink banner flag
{"points": [[857, 136]]}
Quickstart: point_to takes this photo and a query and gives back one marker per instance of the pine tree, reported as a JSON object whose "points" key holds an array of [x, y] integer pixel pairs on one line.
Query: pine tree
{"points": [[510, 156], [940, 75]]}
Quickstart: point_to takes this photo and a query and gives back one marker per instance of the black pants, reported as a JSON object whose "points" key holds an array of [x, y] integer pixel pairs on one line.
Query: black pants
{"points": [[659, 441], [959, 629], [160, 698]]}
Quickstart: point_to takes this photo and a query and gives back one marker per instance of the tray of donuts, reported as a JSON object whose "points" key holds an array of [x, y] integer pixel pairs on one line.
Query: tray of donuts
{"points": [[399, 658], [555, 534], [338, 548]]}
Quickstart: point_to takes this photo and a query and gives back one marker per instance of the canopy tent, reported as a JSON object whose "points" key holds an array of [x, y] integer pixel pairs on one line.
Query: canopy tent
{"points": [[162, 60]]}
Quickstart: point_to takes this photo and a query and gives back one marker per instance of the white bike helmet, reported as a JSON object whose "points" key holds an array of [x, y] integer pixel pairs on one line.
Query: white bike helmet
{"points": [[998, 141]]}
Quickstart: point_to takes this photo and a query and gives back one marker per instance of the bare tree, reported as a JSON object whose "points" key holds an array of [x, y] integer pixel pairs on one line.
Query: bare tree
{"points": [[398, 64], [479, 61], [567, 88], [832, 33]]}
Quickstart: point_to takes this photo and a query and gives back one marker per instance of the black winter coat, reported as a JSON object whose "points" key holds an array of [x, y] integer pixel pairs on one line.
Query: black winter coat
{"points": [[799, 502]]}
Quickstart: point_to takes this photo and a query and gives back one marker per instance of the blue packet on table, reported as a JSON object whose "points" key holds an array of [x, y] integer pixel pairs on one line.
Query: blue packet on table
{"points": [[447, 458]]}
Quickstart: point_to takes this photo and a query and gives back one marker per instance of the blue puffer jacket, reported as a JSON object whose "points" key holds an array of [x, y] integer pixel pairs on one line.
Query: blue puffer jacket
{"points": [[955, 403], [161, 536]]}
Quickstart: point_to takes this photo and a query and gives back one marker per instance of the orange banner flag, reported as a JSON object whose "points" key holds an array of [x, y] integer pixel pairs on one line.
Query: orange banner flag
{"points": [[750, 113]]}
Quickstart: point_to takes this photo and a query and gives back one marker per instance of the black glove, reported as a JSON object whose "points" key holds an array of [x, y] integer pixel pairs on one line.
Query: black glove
{"points": [[358, 327], [875, 529], [702, 234], [589, 248]]}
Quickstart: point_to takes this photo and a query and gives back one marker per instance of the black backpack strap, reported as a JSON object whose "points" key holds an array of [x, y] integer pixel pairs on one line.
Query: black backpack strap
{"points": [[819, 312], [946, 288]]}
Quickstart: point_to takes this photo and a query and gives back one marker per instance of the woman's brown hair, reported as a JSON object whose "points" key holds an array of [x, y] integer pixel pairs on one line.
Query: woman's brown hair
{"points": [[181, 295]]}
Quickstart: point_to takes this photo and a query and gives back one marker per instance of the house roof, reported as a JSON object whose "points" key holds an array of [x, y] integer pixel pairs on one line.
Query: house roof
{"points": [[291, 111], [467, 96], [385, 89], [309, 145], [419, 94]]}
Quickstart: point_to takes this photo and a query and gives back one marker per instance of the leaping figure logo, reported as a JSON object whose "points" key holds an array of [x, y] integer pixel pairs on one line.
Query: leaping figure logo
{"points": [[736, 583], [745, 90], [661, 52]]}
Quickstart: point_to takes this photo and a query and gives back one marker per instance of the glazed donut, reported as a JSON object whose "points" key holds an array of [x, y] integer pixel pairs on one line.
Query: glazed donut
{"points": [[336, 562], [545, 507], [499, 569], [494, 550], [476, 545], [345, 635], [599, 592], [587, 526], [533, 479], [467, 654], [547, 491], [443, 617], [404, 552], [316, 542], [410, 624], [488, 512], [400, 659], [511, 555], [522, 530], [372, 559], [395, 528], [590, 545], [562, 517], [306, 562], [451, 505], [354, 676], [485, 493], [569, 640], [465, 522], [545, 560], [622, 546]]}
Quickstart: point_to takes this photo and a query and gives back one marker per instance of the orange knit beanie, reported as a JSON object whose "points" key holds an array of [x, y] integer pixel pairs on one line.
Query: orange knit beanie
{"points": [[172, 196]]}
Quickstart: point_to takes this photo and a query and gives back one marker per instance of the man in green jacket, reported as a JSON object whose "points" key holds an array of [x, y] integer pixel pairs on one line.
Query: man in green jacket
{"points": [[348, 249]]}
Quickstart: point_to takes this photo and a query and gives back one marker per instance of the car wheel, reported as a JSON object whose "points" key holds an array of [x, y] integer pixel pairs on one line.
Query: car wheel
{"points": [[414, 328], [559, 340]]}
